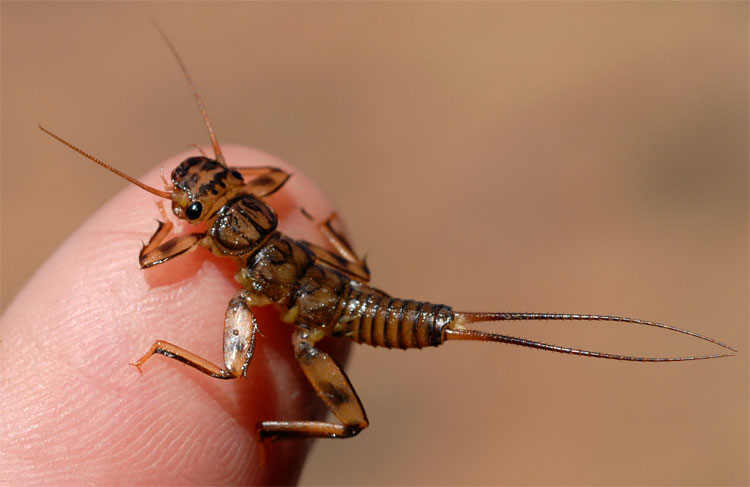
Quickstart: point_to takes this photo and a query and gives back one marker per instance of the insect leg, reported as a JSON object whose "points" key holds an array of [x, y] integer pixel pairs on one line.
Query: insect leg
{"points": [[345, 259], [332, 386], [155, 252], [239, 341], [340, 243], [161, 232], [263, 181], [255, 171]]}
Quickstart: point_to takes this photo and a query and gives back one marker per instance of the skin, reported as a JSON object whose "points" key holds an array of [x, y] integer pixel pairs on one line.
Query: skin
{"points": [[75, 412]]}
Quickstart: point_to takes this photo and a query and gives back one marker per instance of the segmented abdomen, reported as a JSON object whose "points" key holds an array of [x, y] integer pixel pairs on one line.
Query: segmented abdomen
{"points": [[382, 321]]}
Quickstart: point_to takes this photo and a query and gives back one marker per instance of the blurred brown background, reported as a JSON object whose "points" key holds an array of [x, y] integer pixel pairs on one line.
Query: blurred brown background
{"points": [[571, 157]]}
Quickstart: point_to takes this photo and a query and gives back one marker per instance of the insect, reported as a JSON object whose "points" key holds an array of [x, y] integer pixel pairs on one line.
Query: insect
{"points": [[321, 293]]}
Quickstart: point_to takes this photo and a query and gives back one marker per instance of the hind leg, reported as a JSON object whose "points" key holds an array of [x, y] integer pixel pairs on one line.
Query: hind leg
{"points": [[333, 388]]}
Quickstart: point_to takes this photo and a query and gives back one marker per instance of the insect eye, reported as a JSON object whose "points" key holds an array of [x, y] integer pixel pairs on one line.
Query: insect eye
{"points": [[193, 212]]}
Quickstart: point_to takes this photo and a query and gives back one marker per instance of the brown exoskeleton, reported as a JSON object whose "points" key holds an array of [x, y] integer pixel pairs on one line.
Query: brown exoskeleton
{"points": [[319, 292]]}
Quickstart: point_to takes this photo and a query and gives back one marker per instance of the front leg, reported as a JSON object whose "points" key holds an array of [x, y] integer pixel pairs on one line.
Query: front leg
{"points": [[262, 181], [161, 232], [155, 252], [239, 341], [169, 249]]}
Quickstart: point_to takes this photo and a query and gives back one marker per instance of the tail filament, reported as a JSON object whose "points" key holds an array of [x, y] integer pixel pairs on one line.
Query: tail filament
{"points": [[458, 332]]}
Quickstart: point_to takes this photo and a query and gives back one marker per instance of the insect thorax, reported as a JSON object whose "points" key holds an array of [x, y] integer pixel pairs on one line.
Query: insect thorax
{"points": [[242, 225]]}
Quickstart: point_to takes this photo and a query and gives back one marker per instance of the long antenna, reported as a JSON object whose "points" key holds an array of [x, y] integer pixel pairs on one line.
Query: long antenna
{"points": [[214, 141], [163, 194]]}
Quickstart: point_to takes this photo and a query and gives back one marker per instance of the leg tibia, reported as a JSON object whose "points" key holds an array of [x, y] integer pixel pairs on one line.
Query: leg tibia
{"points": [[239, 341], [307, 429], [333, 388], [178, 353]]}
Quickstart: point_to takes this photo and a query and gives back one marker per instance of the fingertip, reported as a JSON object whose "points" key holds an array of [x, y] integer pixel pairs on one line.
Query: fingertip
{"points": [[91, 310]]}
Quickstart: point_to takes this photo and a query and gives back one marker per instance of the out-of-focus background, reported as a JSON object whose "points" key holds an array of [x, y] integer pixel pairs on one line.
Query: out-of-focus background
{"points": [[567, 157]]}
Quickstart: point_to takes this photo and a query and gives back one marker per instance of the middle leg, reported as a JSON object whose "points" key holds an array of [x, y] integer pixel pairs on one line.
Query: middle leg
{"points": [[344, 258]]}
